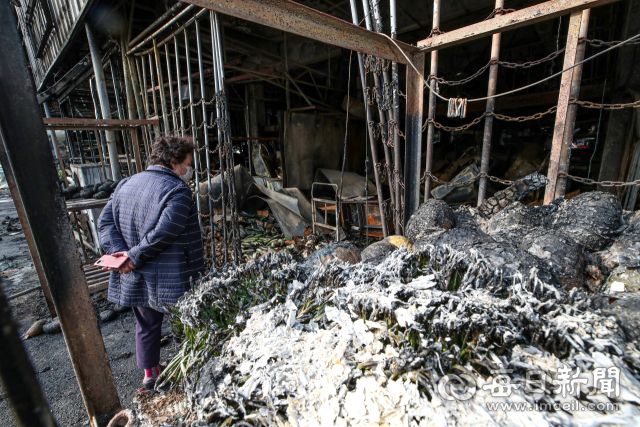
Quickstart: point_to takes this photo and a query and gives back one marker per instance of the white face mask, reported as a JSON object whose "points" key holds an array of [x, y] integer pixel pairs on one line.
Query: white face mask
{"points": [[188, 174]]}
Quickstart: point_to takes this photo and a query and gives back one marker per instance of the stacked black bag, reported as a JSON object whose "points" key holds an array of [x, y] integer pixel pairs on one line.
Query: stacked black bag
{"points": [[96, 191]]}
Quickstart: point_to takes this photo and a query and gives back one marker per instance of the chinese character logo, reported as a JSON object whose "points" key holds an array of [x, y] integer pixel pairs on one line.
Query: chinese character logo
{"points": [[500, 385], [457, 387]]}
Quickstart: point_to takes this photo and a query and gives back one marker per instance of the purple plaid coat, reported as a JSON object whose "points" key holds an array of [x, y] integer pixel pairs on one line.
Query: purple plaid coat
{"points": [[152, 216]]}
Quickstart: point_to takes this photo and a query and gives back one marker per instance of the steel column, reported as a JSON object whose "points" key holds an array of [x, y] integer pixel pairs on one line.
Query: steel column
{"points": [[207, 150], [397, 165], [567, 139], [413, 137], [431, 112], [225, 144], [372, 139], [54, 141], [173, 102], [31, 160], [563, 105], [153, 90], [163, 99], [103, 96], [381, 113], [193, 129], [31, 244], [175, 44], [121, 116], [140, 105], [491, 103], [100, 144]]}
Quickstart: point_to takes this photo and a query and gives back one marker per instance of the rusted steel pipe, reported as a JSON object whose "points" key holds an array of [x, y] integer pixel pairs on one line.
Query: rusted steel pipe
{"points": [[171, 97], [103, 96], [397, 165], [159, 31], [177, 31], [207, 151], [567, 139], [563, 105], [372, 139], [413, 137], [153, 89], [218, 61], [491, 103], [54, 141], [192, 111], [160, 21], [381, 113], [140, 103], [431, 112], [520, 18], [36, 177], [175, 44], [163, 99]]}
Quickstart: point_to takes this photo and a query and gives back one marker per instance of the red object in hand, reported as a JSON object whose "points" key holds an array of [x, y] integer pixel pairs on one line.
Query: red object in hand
{"points": [[110, 261]]}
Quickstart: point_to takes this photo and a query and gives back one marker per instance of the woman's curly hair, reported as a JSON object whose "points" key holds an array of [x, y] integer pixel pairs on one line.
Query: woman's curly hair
{"points": [[171, 148]]}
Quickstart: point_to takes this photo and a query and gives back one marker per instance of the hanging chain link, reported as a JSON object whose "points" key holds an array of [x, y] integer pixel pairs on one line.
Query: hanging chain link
{"points": [[589, 181], [589, 104], [499, 11]]}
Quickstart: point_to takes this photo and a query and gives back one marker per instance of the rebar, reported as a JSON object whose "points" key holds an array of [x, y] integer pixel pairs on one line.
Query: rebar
{"points": [[193, 128], [221, 98], [205, 129]]}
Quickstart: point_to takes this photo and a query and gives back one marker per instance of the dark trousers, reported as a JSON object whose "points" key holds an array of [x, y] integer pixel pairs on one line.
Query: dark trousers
{"points": [[148, 335]]}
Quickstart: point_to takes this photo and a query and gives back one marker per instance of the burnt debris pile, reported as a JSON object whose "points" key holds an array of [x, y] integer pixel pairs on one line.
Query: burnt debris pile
{"points": [[473, 312]]}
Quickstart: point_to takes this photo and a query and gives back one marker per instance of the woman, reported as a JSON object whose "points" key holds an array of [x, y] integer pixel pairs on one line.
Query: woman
{"points": [[152, 220]]}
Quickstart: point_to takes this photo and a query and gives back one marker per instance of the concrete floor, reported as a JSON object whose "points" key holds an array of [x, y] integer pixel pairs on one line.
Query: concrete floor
{"points": [[48, 352]]}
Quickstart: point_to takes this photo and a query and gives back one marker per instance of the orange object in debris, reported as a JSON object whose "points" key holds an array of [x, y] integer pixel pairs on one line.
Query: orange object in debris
{"points": [[263, 213]]}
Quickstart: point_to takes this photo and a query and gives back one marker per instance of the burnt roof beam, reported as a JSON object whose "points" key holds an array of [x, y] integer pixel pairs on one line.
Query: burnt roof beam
{"points": [[527, 16], [298, 19]]}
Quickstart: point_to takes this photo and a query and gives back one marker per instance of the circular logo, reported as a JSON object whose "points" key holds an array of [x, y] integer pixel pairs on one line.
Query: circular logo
{"points": [[457, 387]]}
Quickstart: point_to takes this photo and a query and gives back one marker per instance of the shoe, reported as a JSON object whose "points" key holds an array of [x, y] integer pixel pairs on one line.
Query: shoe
{"points": [[151, 376]]}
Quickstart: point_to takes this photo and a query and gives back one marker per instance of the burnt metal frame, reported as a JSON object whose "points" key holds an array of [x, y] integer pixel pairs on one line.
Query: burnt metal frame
{"points": [[298, 19], [327, 202], [302, 20], [97, 125]]}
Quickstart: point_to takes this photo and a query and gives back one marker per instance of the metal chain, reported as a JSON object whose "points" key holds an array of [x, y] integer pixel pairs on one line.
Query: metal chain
{"points": [[453, 128], [462, 184], [599, 43], [435, 32], [535, 116], [498, 116], [458, 82], [499, 11], [588, 181], [589, 104]]}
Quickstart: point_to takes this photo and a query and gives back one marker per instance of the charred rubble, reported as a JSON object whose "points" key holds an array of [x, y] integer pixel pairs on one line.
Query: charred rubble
{"points": [[345, 338]]}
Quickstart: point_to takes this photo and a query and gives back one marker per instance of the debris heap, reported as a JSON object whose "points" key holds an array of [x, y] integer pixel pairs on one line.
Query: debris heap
{"points": [[435, 334]]}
